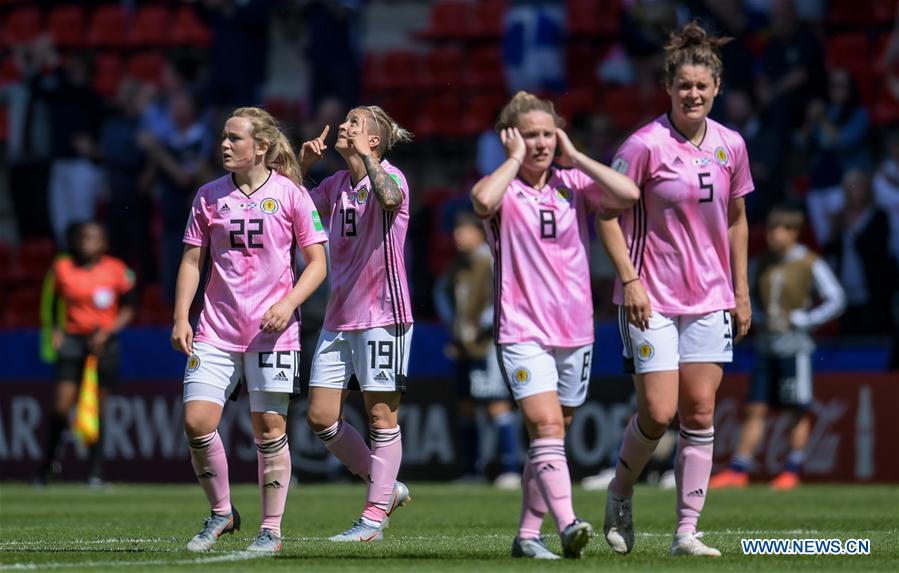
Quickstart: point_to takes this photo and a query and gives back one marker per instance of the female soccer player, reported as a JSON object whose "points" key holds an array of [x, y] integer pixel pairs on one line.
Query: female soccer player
{"points": [[97, 293], [248, 222], [536, 215], [686, 243], [367, 332]]}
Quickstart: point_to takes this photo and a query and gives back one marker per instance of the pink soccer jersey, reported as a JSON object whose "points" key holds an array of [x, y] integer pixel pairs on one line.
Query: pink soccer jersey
{"points": [[251, 240], [677, 232], [540, 244], [368, 273]]}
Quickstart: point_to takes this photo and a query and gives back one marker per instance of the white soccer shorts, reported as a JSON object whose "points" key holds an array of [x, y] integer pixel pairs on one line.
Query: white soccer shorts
{"points": [[212, 375], [530, 368], [673, 340], [373, 360]]}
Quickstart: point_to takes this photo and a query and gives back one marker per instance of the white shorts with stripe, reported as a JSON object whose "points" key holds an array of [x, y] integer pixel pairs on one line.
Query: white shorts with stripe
{"points": [[371, 360], [213, 375], [529, 368], [673, 340]]}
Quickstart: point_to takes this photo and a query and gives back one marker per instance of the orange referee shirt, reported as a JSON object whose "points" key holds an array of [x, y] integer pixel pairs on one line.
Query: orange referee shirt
{"points": [[91, 295]]}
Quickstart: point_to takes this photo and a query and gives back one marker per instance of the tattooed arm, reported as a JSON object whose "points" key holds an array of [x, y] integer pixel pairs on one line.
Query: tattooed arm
{"points": [[385, 187]]}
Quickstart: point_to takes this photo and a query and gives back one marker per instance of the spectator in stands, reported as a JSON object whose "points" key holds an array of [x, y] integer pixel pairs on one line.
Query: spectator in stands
{"points": [[75, 115], [792, 64], [858, 250], [886, 189], [125, 165], [835, 134], [29, 142], [181, 163], [97, 294], [464, 299], [645, 26], [765, 159], [333, 33]]}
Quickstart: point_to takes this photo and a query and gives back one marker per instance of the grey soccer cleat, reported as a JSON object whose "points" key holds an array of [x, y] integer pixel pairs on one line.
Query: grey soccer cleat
{"points": [[575, 538], [618, 525], [532, 548], [363, 530], [398, 498], [214, 527], [265, 542], [689, 544]]}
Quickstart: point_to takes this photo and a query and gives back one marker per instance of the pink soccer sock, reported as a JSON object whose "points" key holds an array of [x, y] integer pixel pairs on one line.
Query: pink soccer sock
{"points": [[273, 462], [533, 506], [548, 461], [691, 472], [347, 445], [207, 456], [386, 455], [636, 449]]}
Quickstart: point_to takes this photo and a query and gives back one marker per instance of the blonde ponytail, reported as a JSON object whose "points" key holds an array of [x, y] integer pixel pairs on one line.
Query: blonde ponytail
{"points": [[387, 128], [279, 155]]}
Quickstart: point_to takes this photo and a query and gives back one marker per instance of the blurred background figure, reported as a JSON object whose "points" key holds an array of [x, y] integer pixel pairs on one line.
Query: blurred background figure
{"points": [[465, 302], [96, 295], [784, 281]]}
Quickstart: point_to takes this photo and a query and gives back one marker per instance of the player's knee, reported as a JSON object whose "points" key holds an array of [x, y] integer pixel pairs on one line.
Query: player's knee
{"points": [[656, 421], [548, 428], [196, 425], [699, 419], [320, 419]]}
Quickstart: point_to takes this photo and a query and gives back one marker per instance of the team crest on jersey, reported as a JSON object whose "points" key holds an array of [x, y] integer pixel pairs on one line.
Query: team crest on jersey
{"points": [[563, 193], [620, 165], [269, 205], [645, 351], [362, 195], [721, 155], [521, 376], [193, 363]]}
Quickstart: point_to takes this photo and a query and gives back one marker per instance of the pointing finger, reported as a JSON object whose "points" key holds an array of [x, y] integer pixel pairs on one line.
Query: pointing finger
{"points": [[324, 133]]}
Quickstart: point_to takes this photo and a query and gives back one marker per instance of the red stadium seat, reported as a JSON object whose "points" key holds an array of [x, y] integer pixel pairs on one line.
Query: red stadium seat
{"points": [[22, 25], [449, 20], [622, 104], [187, 29], [402, 69], [487, 20], [66, 25], [35, 259], [108, 27], [443, 68], [107, 74], [152, 308], [485, 72], [146, 66], [151, 26], [23, 308], [591, 19], [846, 14], [9, 71], [848, 50]]}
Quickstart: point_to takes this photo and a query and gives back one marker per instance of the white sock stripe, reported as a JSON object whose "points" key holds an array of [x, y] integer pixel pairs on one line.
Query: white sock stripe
{"points": [[202, 442], [382, 436], [329, 433], [698, 436], [537, 451]]}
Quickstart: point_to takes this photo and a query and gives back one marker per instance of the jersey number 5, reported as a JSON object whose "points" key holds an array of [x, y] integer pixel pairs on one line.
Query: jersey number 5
{"points": [[706, 186], [253, 228]]}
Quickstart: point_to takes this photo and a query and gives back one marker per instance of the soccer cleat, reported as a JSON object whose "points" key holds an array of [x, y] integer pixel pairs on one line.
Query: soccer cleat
{"points": [[786, 480], [265, 542], [533, 548], [507, 481], [399, 498], [618, 525], [599, 481], [575, 538], [729, 478], [689, 544], [363, 530], [214, 527]]}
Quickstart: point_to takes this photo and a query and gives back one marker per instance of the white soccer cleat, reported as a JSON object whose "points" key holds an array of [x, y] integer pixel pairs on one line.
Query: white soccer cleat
{"points": [[600, 481], [363, 530], [507, 481], [214, 527], [575, 538], [618, 525], [533, 548], [266, 543], [689, 544]]}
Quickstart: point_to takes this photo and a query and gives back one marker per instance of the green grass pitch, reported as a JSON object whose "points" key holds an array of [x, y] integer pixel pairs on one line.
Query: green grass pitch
{"points": [[446, 528]]}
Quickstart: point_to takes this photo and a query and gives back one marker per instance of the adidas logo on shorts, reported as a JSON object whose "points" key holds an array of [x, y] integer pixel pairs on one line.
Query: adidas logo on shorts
{"points": [[381, 377], [280, 377]]}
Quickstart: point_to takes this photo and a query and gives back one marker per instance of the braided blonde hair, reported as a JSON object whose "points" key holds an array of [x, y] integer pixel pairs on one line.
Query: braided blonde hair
{"points": [[387, 128]]}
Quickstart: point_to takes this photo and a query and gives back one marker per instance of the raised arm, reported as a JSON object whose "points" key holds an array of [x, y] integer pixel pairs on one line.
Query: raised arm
{"points": [[385, 188], [621, 191], [738, 237], [487, 194], [311, 151]]}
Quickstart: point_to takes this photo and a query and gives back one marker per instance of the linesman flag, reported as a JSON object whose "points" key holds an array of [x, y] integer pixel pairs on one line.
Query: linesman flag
{"points": [[87, 413]]}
